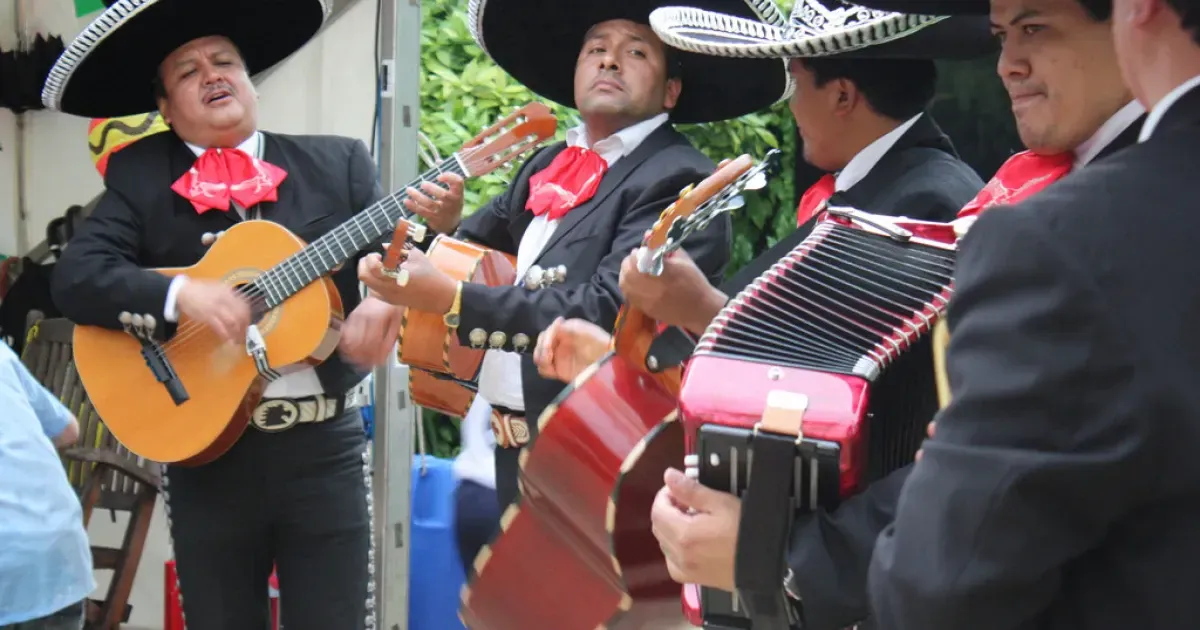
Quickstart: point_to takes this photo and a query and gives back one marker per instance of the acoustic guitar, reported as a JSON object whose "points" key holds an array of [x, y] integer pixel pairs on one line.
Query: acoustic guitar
{"points": [[443, 372], [589, 481], [188, 399]]}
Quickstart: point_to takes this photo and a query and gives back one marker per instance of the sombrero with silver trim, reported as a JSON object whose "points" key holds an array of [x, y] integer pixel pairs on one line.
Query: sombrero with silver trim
{"points": [[538, 42], [823, 29], [109, 69]]}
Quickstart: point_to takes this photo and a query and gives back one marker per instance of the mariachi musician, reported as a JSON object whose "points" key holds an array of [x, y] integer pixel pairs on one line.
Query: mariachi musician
{"points": [[296, 498], [1092, 116], [584, 203], [1060, 489], [885, 155]]}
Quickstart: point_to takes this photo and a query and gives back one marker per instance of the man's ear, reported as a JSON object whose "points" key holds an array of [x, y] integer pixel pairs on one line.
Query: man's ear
{"points": [[671, 96], [162, 111], [845, 96]]}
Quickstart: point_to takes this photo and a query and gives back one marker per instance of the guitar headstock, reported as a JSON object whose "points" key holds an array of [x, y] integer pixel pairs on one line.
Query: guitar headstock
{"points": [[538, 278], [403, 237], [697, 205], [511, 136]]}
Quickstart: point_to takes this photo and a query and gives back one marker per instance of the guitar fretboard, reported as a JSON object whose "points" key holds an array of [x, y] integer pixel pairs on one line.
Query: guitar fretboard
{"points": [[344, 242]]}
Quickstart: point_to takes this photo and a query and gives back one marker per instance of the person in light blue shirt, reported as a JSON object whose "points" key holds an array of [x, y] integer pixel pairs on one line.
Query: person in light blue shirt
{"points": [[45, 559]]}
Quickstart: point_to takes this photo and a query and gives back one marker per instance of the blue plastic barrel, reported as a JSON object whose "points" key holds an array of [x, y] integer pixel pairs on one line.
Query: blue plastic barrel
{"points": [[435, 573]]}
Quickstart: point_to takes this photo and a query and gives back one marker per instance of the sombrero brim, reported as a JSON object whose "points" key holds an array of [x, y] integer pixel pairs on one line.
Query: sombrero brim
{"points": [[930, 7], [109, 69], [898, 36], [538, 42]]}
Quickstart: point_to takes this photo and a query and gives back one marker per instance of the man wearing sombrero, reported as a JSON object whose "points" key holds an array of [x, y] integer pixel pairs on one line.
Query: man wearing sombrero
{"points": [[1058, 60], [863, 82], [295, 498], [584, 203]]}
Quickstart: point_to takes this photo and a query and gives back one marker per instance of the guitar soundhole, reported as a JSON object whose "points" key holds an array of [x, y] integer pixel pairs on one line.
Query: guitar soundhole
{"points": [[257, 298]]}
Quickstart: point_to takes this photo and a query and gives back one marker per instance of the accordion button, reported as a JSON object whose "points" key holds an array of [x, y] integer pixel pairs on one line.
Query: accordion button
{"points": [[691, 461], [692, 473]]}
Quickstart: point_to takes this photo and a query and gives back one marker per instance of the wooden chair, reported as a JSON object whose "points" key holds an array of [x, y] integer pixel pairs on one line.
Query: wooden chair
{"points": [[104, 473]]}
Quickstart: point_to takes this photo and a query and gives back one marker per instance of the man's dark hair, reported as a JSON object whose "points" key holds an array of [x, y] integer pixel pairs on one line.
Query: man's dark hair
{"points": [[1189, 16], [895, 88], [1100, 10]]}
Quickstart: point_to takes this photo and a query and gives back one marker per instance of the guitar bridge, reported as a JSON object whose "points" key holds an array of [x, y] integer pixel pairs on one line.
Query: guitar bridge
{"points": [[141, 327], [256, 347]]}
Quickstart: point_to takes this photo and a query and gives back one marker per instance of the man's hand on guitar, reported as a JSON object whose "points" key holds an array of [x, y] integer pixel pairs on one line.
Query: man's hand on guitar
{"points": [[440, 206], [681, 296], [427, 288], [369, 333], [568, 346], [217, 306], [697, 528]]}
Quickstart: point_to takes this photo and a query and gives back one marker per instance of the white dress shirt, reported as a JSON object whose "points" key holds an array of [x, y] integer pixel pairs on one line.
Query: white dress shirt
{"points": [[477, 460], [500, 373], [862, 163], [297, 384], [1107, 132], [1156, 114]]}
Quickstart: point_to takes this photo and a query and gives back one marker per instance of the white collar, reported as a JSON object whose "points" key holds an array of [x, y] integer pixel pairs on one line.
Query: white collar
{"points": [[619, 144], [1160, 110], [861, 164], [1104, 136], [251, 145]]}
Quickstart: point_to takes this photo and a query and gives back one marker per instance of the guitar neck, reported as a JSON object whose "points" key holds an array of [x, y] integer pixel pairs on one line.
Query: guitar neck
{"points": [[344, 242]]}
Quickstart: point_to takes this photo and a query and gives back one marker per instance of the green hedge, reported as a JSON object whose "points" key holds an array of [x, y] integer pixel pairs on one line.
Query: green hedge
{"points": [[463, 92]]}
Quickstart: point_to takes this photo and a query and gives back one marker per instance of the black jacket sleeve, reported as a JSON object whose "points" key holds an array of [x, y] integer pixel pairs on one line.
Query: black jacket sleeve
{"points": [[98, 276], [830, 551], [1031, 466]]}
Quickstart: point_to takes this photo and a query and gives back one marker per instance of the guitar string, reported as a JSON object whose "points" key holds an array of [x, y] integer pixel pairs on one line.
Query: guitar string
{"points": [[293, 265]]}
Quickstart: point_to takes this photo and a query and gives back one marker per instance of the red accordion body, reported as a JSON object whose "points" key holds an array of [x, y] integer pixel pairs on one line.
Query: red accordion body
{"points": [[830, 321]]}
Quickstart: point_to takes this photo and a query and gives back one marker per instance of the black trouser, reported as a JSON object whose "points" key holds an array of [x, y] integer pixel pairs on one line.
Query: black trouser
{"points": [[508, 468], [476, 519], [296, 499]]}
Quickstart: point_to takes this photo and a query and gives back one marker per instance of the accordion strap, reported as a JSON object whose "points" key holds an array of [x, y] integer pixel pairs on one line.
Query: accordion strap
{"points": [[763, 532]]}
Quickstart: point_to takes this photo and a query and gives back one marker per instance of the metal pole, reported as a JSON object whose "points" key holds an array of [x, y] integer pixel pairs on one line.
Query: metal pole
{"points": [[19, 153], [395, 416]]}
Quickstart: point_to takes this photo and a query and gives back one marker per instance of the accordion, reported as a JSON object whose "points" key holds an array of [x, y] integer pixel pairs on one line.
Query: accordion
{"points": [[812, 382]]}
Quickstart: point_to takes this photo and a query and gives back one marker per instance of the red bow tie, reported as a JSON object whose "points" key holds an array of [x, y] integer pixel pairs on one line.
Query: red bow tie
{"points": [[814, 198], [570, 180], [1019, 178], [221, 175]]}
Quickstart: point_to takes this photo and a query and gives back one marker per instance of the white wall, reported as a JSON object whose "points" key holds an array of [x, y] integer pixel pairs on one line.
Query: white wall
{"points": [[327, 88]]}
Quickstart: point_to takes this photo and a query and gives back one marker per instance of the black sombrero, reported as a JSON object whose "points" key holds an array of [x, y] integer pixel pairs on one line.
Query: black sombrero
{"points": [[109, 69], [538, 41], [825, 28], [1099, 8], [931, 7]]}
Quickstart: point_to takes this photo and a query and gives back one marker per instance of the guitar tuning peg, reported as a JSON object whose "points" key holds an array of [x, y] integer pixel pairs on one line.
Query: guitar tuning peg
{"points": [[560, 273], [150, 322], [126, 318]]}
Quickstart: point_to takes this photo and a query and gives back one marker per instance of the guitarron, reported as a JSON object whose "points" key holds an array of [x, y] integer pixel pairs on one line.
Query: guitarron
{"points": [[602, 447], [188, 399], [783, 400]]}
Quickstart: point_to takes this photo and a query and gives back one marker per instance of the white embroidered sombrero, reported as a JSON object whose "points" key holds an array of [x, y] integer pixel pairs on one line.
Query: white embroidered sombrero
{"points": [[109, 69], [825, 28], [538, 42]]}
